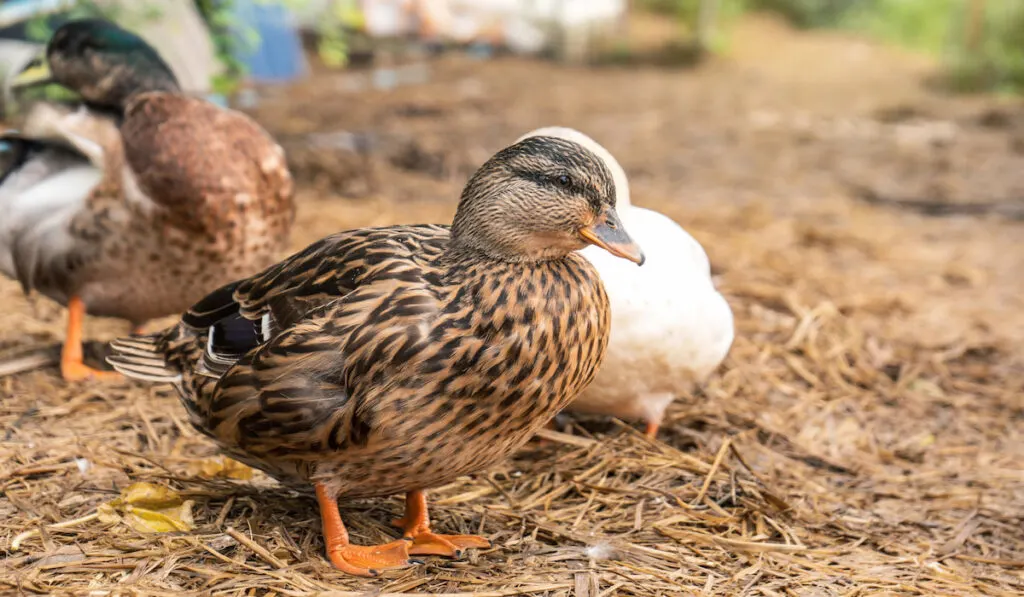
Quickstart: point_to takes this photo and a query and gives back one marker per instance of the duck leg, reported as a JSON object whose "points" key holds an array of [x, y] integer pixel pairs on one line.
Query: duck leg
{"points": [[358, 560], [652, 429], [72, 367], [416, 526]]}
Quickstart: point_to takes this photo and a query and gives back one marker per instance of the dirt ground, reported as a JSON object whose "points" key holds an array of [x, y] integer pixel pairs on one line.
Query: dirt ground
{"points": [[864, 437]]}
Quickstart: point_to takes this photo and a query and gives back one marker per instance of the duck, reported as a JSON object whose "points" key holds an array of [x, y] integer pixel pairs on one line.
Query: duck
{"points": [[671, 328], [141, 200], [395, 359]]}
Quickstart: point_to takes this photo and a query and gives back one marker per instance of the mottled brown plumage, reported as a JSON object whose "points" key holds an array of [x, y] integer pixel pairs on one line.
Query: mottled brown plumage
{"points": [[397, 359], [189, 196]]}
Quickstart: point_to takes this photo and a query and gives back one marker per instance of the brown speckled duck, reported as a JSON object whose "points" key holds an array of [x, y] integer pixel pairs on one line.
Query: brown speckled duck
{"points": [[395, 359], [142, 201]]}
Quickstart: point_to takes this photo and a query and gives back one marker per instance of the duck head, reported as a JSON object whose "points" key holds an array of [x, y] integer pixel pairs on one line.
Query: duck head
{"points": [[103, 63], [541, 199], [622, 199]]}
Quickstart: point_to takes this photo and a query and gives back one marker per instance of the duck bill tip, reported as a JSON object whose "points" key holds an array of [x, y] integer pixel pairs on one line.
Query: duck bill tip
{"points": [[37, 72], [615, 241]]}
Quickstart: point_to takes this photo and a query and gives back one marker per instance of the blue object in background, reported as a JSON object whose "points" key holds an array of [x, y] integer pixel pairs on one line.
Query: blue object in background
{"points": [[277, 56]]}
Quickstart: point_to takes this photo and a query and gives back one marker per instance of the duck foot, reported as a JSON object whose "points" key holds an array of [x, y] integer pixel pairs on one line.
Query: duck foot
{"points": [[72, 367], [416, 528], [453, 546], [370, 560], [78, 371], [357, 560]]}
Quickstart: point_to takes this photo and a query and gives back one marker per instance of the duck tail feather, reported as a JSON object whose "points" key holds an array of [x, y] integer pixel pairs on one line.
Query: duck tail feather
{"points": [[143, 358]]}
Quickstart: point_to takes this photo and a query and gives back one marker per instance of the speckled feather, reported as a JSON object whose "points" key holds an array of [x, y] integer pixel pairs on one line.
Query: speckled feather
{"points": [[385, 359], [208, 167]]}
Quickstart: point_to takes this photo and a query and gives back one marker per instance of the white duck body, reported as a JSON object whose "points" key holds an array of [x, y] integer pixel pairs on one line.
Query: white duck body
{"points": [[47, 175], [670, 327]]}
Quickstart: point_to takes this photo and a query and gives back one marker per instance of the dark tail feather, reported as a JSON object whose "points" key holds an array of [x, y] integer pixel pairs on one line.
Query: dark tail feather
{"points": [[142, 357]]}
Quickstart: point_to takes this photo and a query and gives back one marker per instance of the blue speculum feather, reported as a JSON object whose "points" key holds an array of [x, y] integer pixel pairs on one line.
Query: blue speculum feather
{"points": [[235, 336]]}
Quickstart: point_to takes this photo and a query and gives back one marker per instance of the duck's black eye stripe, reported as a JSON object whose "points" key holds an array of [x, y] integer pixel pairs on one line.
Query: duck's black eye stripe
{"points": [[533, 176]]}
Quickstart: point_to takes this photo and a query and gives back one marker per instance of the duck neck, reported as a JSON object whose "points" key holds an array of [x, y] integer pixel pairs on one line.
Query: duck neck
{"points": [[114, 92], [459, 250], [128, 90]]}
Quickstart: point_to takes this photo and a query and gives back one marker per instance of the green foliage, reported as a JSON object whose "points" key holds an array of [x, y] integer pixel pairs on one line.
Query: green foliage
{"points": [[919, 24], [809, 13], [332, 42], [997, 63], [938, 27], [687, 12], [228, 42]]}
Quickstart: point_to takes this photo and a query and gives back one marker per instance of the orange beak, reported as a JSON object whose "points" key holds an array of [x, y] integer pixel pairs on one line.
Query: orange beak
{"points": [[609, 234]]}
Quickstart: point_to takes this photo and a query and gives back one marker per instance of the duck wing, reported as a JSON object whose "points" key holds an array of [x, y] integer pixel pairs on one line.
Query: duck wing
{"points": [[203, 164], [320, 274], [292, 361]]}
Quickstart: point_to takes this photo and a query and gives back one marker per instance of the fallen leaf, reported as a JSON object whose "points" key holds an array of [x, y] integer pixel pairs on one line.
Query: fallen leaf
{"points": [[220, 468], [149, 508]]}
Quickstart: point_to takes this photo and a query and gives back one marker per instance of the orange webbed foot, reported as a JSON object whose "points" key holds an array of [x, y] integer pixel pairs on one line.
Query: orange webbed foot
{"points": [[77, 371], [452, 546], [359, 560], [415, 527], [370, 560]]}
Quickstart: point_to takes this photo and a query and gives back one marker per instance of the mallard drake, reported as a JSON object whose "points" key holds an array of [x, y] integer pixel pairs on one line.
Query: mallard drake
{"points": [[395, 359], [143, 200], [670, 327]]}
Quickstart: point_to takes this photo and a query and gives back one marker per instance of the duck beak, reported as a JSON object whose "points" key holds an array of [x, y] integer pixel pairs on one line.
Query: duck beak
{"points": [[609, 234], [37, 72]]}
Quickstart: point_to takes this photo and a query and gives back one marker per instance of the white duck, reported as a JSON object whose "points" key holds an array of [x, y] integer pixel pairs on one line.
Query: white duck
{"points": [[670, 326]]}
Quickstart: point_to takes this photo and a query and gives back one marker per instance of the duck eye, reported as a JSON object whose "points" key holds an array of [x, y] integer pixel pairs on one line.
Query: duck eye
{"points": [[563, 180]]}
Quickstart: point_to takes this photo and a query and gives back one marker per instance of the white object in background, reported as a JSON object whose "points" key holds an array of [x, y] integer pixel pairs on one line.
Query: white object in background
{"points": [[670, 327], [389, 18], [523, 25]]}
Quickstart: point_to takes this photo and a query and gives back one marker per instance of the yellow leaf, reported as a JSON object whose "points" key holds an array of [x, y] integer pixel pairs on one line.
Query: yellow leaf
{"points": [[220, 468], [149, 508], [160, 521], [150, 495]]}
